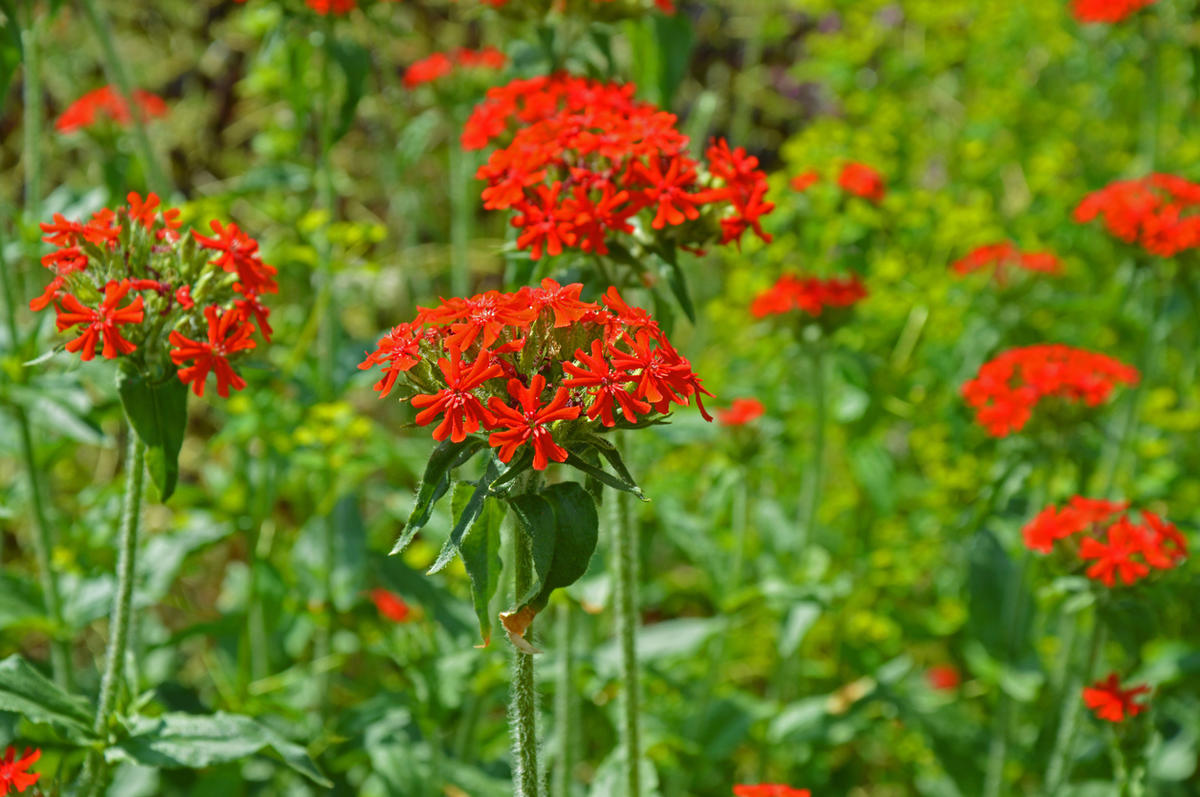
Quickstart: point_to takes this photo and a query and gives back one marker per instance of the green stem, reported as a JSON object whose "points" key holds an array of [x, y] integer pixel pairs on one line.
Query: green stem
{"points": [[43, 538], [1151, 110], [625, 550], [31, 92], [114, 67], [1059, 767], [324, 181], [120, 621], [461, 210], [1002, 730], [564, 701], [812, 501], [523, 706]]}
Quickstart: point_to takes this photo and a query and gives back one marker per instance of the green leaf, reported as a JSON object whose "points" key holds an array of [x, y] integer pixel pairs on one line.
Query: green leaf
{"points": [[480, 551], [575, 460], [678, 283], [158, 413], [577, 528], [537, 521], [434, 484], [25, 691], [355, 63], [611, 453], [466, 505], [194, 741]]}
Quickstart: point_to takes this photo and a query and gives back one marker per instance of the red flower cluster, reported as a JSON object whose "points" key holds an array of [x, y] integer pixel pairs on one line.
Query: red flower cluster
{"points": [[108, 102], [124, 282], [805, 180], [666, 6], [1152, 212], [14, 772], [1110, 702], [1003, 256], [943, 677], [587, 158], [1116, 546], [808, 295], [1008, 387], [1106, 10], [391, 605], [496, 362], [861, 180], [438, 65], [742, 411], [769, 790]]}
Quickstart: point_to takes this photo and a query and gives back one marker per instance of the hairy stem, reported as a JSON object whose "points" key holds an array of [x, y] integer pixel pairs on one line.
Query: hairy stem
{"points": [[625, 551], [120, 620], [461, 211], [114, 67], [523, 706], [812, 498]]}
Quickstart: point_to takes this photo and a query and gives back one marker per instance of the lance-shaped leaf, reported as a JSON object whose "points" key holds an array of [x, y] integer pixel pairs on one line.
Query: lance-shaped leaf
{"points": [[536, 519], [611, 453], [31, 695], [434, 484], [158, 413], [677, 280], [480, 551], [466, 505], [575, 532], [575, 458], [194, 741]]}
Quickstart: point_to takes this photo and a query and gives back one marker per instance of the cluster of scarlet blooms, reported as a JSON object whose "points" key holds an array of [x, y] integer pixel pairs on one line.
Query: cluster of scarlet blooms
{"points": [[1098, 531], [769, 790], [1160, 213], [128, 282], [1009, 386], [438, 65], [1004, 256], [14, 772], [1110, 11], [588, 158], [810, 295], [666, 6], [521, 365], [108, 102]]}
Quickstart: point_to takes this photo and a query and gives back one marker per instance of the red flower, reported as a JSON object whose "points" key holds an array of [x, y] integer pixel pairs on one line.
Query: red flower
{"points": [[563, 301], [397, 351], [528, 421], [463, 411], [1009, 386], [808, 295], [1110, 702], [1052, 524], [943, 677], [327, 7], [741, 411], [609, 385], [239, 255], [861, 180], [665, 189], [108, 102], [769, 790], [804, 180], [228, 332], [14, 772], [1157, 213], [1003, 256], [428, 70], [1106, 10], [390, 605], [102, 323], [543, 223]]}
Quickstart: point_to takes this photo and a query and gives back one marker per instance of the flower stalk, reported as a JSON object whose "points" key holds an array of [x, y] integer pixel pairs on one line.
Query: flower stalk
{"points": [[523, 706], [564, 701], [120, 620], [625, 565], [1058, 770]]}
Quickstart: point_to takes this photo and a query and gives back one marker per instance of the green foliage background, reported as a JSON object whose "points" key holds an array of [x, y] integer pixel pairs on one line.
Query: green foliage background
{"points": [[804, 663]]}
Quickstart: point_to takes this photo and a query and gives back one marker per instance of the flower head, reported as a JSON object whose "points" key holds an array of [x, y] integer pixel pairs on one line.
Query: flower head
{"points": [[1110, 11], [147, 290], [1004, 256], [1108, 701], [585, 159], [1009, 386], [534, 367], [1098, 531], [808, 295], [1159, 213], [862, 181], [769, 790], [14, 772], [108, 102], [741, 412]]}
